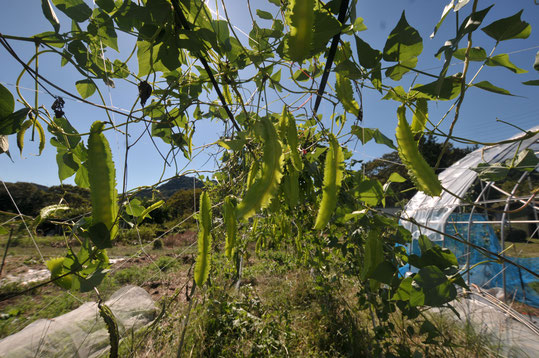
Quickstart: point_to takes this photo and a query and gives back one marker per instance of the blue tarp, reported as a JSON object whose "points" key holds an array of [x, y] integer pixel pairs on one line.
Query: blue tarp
{"points": [[489, 274]]}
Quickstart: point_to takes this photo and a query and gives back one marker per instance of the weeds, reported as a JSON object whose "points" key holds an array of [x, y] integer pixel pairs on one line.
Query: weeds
{"points": [[280, 310]]}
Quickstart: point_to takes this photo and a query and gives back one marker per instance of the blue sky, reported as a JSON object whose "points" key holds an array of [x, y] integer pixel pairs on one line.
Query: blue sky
{"points": [[145, 167]]}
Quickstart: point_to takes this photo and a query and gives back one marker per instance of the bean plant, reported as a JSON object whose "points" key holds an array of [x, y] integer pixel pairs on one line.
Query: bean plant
{"points": [[289, 98]]}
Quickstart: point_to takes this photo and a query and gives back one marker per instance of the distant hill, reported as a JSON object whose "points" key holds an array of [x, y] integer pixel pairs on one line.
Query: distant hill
{"points": [[31, 197], [166, 190]]}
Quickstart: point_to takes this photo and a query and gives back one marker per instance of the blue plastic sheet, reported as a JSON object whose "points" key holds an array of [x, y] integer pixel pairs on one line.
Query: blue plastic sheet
{"points": [[487, 274]]}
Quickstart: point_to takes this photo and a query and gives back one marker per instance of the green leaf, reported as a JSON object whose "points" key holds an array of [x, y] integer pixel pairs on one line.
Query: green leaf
{"points": [[503, 60], [345, 94], [325, 27], [66, 165], [536, 63], [264, 14], [301, 75], [368, 57], [106, 5], [424, 243], [134, 208], [146, 56], [203, 260], [403, 43], [374, 254], [421, 116], [449, 89], [13, 122], [376, 78], [487, 86], [74, 9], [348, 69], [366, 134], [51, 38], [494, 172], [404, 290], [120, 69], [431, 330], [57, 269], [511, 27], [475, 54], [222, 35], [445, 12], [102, 26], [127, 16], [100, 235], [233, 144], [396, 178], [397, 94], [81, 177], [50, 15], [526, 160], [7, 102], [396, 72], [472, 22], [531, 83], [436, 289], [62, 140], [86, 88], [359, 25], [440, 257], [370, 192], [384, 272]]}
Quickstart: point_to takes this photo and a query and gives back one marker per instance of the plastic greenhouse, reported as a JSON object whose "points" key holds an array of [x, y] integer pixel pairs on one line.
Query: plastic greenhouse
{"points": [[487, 210]]}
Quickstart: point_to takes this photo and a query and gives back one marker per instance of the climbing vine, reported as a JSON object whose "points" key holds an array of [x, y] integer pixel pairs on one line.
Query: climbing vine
{"points": [[285, 172]]}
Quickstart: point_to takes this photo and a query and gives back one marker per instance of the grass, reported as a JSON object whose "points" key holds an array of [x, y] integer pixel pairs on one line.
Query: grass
{"points": [[51, 301], [281, 309], [289, 311], [523, 249]]}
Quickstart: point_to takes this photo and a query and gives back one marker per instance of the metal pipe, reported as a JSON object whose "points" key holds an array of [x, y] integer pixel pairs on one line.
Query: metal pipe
{"points": [[502, 229], [468, 249]]}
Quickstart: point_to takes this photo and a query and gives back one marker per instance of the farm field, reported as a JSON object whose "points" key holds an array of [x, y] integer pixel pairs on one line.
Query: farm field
{"points": [[270, 178], [279, 309]]}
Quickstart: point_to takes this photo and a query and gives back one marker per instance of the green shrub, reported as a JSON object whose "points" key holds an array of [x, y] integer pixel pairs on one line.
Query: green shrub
{"points": [[145, 233], [157, 244], [165, 263], [134, 275]]}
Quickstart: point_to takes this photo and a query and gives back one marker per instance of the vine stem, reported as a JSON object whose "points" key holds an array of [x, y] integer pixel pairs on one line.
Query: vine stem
{"points": [[463, 88], [37, 76], [185, 24], [331, 56], [36, 94]]}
